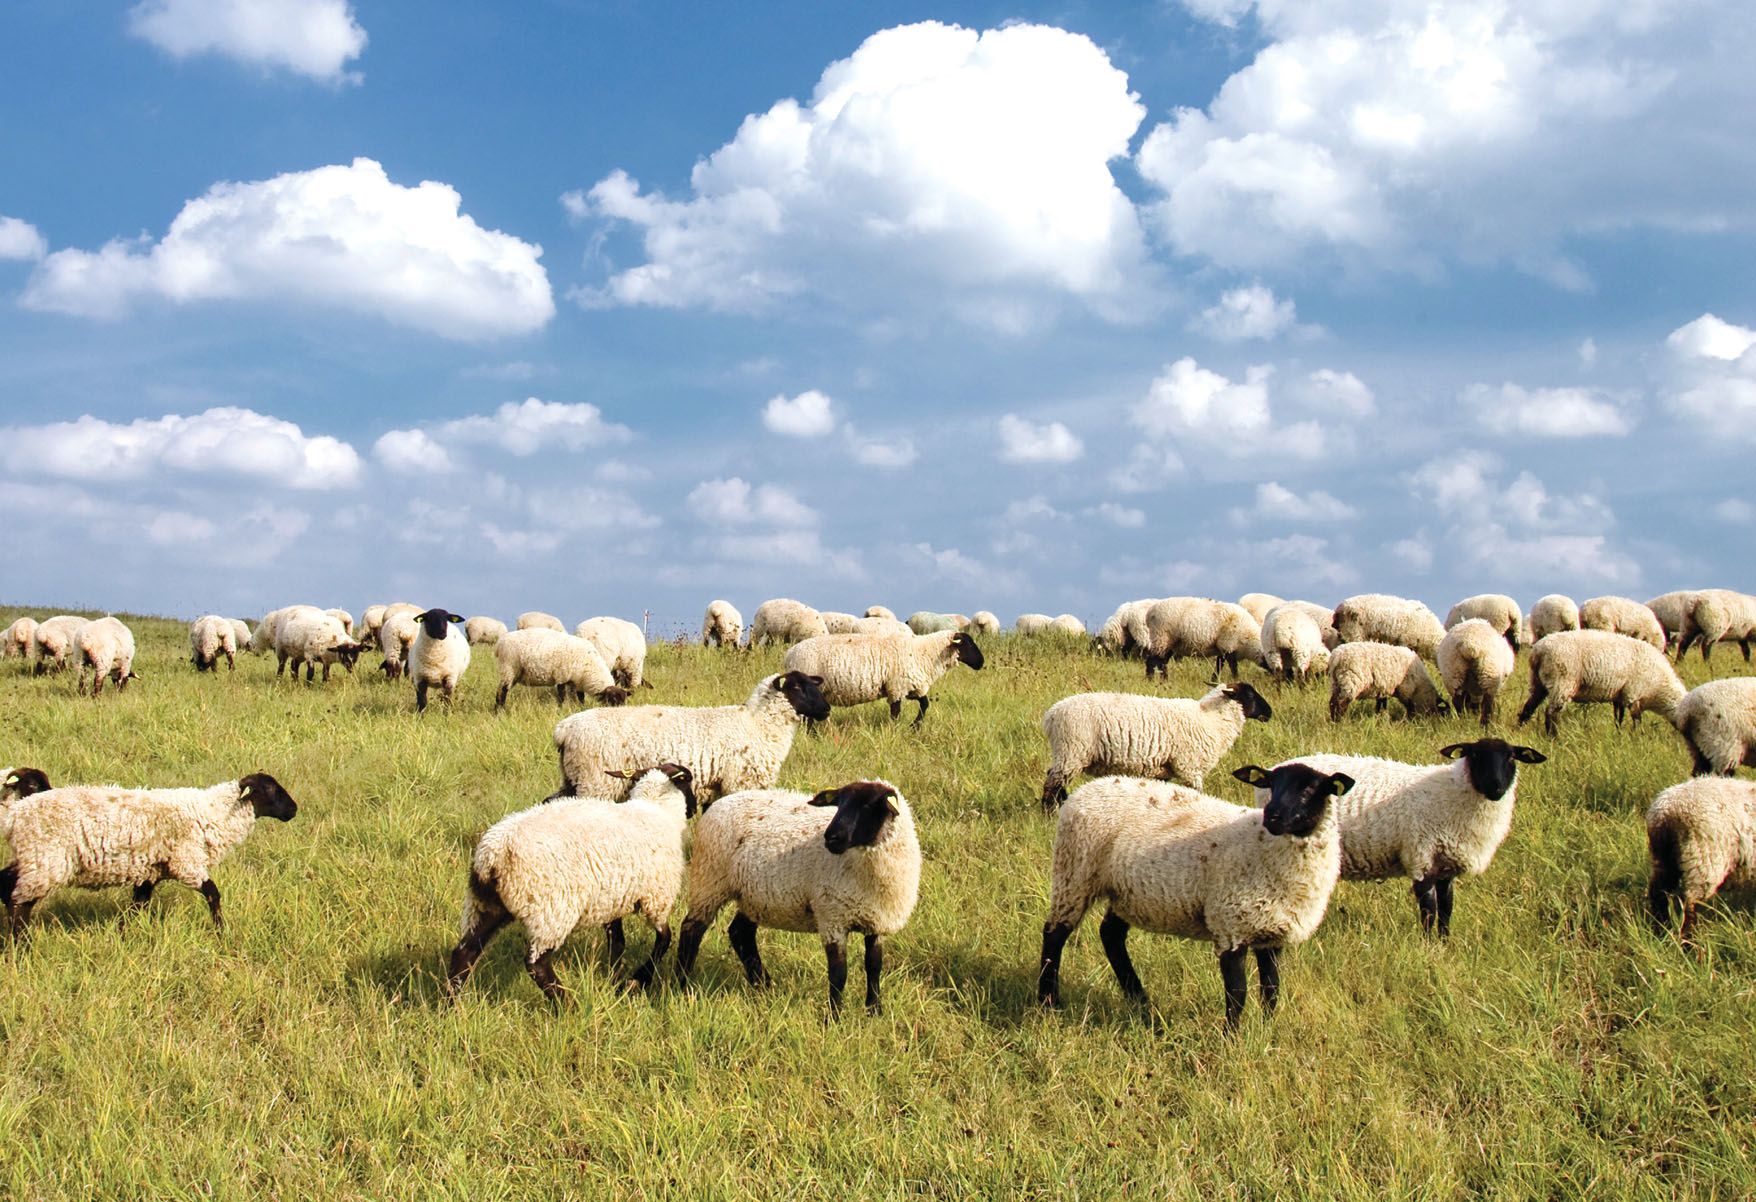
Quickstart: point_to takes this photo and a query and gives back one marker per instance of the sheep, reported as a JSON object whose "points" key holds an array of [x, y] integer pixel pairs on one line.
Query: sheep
{"points": [[1429, 822], [52, 640], [545, 659], [879, 611], [1622, 615], [479, 630], [438, 656], [1322, 615], [1181, 627], [1031, 623], [725, 748], [1701, 836], [1381, 618], [1496, 609], [1718, 722], [1061, 624], [241, 636], [92, 836], [344, 617], [623, 646], [1591, 666], [106, 646], [1257, 605], [1146, 627], [1292, 644], [395, 637], [856, 668], [783, 620], [15, 643], [209, 638], [1173, 738], [842, 860], [267, 633], [371, 621], [536, 619], [1552, 613], [1474, 664], [983, 622], [16, 783], [1672, 611], [722, 625], [578, 860], [888, 628], [1380, 671], [836, 622], [312, 639], [1172, 860], [1719, 615], [925, 621], [1119, 634]]}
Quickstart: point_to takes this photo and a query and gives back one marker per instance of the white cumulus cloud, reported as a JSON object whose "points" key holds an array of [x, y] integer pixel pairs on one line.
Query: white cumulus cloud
{"points": [[1708, 337], [735, 502], [1545, 412], [1276, 502], [1023, 441], [808, 415], [19, 239], [1245, 313], [1712, 377], [412, 452], [316, 38], [890, 454]]}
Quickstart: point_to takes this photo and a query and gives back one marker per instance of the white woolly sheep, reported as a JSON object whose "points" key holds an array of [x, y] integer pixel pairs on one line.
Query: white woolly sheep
{"points": [[1065, 624], [1475, 662], [94, 836], [1322, 615], [1292, 644], [1178, 862], [783, 620], [1622, 615], [1593, 666], [1381, 618], [371, 622], [548, 659], [439, 655], [267, 633], [836, 622], [1175, 738], [1672, 611], [925, 621], [1718, 722], [1553, 613], [725, 747], [1380, 671], [210, 637], [15, 643], [888, 628], [1178, 628], [344, 617], [1257, 605], [536, 619], [395, 637], [1031, 623], [241, 635], [1496, 609], [1719, 615], [879, 611], [312, 639], [479, 630], [1701, 835], [857, 668], [1119, 633], [570, 861], [1429, 822], [106, 646], [52, 640], [983, 622], [622, 644], [1159, 620], [722, 625], [844, 860]]}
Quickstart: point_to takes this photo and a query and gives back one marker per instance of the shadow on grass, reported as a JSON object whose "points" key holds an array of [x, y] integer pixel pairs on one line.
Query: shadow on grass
{"points": [[414, 974]]}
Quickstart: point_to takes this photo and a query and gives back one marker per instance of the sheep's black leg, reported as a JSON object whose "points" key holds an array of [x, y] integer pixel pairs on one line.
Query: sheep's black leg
{"points": [[837, 956], [420, 696], [311, 671], [19, 914], [1381, 705], [544, 975], [1619, 707], [895, 710], [617, 941], [1443, 892], [1427, 898], [8, 882], [500, 697], [1236, 977], [874, 970], [1268, 976], [1538, 694], [1114, 933], [1685, 929], [1049, 974], [923, 711], [210, 891], [689, 945], [1745, 644], [560, 694], [742, 933], [661, 942], [469, 948], [1054, 791], [143, 894], [1337, 707]]}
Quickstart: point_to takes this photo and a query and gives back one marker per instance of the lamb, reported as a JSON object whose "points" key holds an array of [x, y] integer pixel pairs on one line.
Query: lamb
{"points": [[1474, 664], [93, 836], [841, 860], [1701, 835], [856, 668], [1292, 644], [1591, 666], [209, 638], [1622, 615], [1173, 738], [106, 646], [1176, 861], [1182, 627], [983, 622], [574, 860], [1380, 671], [395, 637], [836, 622], [53, 640], [1553, 613], [1381, 618], [1031, 623], [479, 630], [879, 611], [722, 625], [16, 783], [438, 656], [545, 659], [1672, 611], [783, 620], [1718, 722], [1496, 609], [888, 628], [725, 748], [623, 646], [925, 621], [1429, 822], [312, 639], [15, 643], [536, 619], [1257, 605], [1719, 615]]}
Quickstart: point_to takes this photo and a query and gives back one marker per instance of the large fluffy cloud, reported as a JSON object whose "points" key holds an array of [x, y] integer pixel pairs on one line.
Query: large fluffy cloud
{"points": [[309, 37], [336, 237]]}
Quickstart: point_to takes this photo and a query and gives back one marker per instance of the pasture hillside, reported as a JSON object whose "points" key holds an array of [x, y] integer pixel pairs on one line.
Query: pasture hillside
{"points": [[1553, 1048]]}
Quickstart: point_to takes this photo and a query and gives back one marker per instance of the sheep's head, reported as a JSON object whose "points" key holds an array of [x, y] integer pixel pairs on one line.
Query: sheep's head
{"points": [[805, 693], [1492, 764], [863, 810], [22, 782], [347, 653], [434, 620], [266, 797], [967, 651], [614, 695], [1254, 705], [1298, 795]]}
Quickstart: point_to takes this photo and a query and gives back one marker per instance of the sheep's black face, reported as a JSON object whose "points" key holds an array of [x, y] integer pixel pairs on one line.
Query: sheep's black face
{"points": [[1492, 764], [805, 693], [266, 796], [348, 654], [1298, 796], [1255, 705], [23, 782], [433, 621], [614, 695], [967, 651], [861, 811]]}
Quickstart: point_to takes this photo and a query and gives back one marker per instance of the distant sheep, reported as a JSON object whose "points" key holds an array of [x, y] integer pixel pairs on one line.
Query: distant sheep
{"points": [[1292, 644], [1551, 614], [927, 622], [395, 637], [722, 625], [1496, 609], [1180, 628], [1065, 624], [439, 655], [15, 643], [548, 659], [480, 630], [859, 668], [1381, 618], [879, 611], [1475, 663], [209, 638], [1595, 666], [1672, 611], [623, 646], [836, 622], [1622, 615], [1257, 605], [1031, 623], [52, 642], [536, 619], [1380, 671], [783, 620], [1718, 722], [1719, 615], [106, 646], [312, 639], [984, 622]]}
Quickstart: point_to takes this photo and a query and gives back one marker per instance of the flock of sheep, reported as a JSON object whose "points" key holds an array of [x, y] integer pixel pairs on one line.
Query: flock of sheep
{"points": [[1141, 837]]}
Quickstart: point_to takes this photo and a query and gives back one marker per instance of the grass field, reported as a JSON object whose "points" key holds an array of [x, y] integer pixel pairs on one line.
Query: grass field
{"points": [[1553, 1048]]}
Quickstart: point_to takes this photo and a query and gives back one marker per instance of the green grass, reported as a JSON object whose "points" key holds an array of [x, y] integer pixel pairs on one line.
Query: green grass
{"points": [[1553, 1048]]}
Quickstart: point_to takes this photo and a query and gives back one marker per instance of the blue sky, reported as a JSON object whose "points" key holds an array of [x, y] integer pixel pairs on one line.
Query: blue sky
{"points": [[617, 307]]}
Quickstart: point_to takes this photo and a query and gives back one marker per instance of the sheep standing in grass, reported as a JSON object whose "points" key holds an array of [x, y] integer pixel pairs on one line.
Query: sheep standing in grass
{"points": [[15, 643], [536, 619], [1496, 609], [438, 656], [1718, 615], [241, 635], [844, 860], [1031, 623], [1701, 835], [570, 861], [1475, 662], [1718, 722], [623, 646], [983, 622], [94, 836], [783, 620], [479, 630], [1579, 667], [1257, 605], [371, 622], [857, 668], [1381, 618], [1622, 615], [1156, 631], [1429, 822], [1123, 631], [1380, 671], [312, 639], [725, 747], [1182, 627], [53, 642], [1176, 738], [1553, 613], [395, 638], [1178, 862], [722, 625], [547, 659], [1672, 611], [106, 646], [267, 634], [925, 621], [209, 638], [1292, 644]]}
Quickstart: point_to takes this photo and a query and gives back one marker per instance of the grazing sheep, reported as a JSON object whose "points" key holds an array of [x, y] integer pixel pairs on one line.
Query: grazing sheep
{"points": [[836, 622], [1381, 618], [547, 659], [725, 747], [344, 617], [879, 611], [984, 622], [623, 646], [479, 630], [1622, 615], [22, 782], [857, 668], [888, 628], [1593, 666], [106, 646], [843, 860], [1719, 615], [1474, 664], [1031, 623], [371, 622], [395, 637], [209, 638], [722, 625], [1551, 614], [1257, 605], [1718, 722], [925, 621], [241, 636], [1380, 671], [569, 861], [1292, 644], [1322, 615], [93, 836], [1065, 624], [439, 655], [15, 643], [1672, 611], [312, 639], [1157, 625], [53, 640], [268, 629], [1182, 627], [1174, 738], [1429, 822], [1123, 631], [1178, 862], [1496, 609], [1702, 837], [783, 620], [536, 619]]}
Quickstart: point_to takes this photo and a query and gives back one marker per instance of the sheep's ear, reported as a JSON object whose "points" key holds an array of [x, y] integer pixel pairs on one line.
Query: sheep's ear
{"points": [[890, 806], [828, 797], [1529, 755], [455, 618], [1453, 751], [1340, 783], [1253, 774], [618, 775]]}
